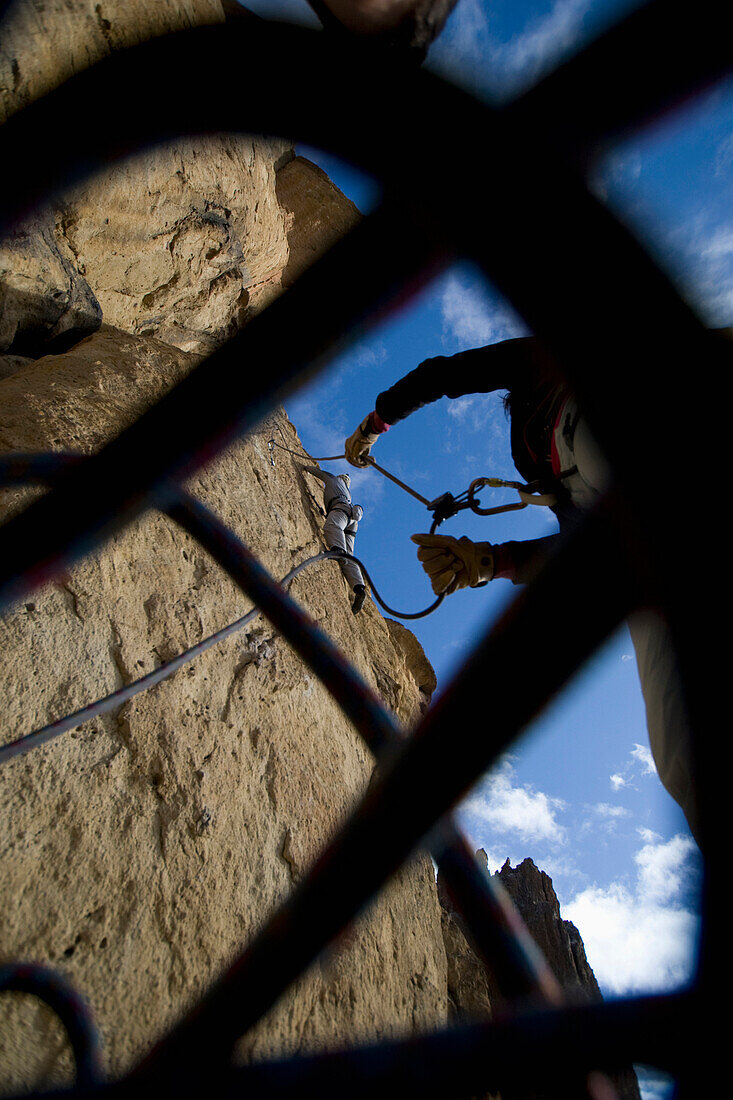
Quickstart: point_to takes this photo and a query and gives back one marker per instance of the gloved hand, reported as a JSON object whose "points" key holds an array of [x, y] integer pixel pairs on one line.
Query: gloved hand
{"points": [[455, 563], [360, 442]]}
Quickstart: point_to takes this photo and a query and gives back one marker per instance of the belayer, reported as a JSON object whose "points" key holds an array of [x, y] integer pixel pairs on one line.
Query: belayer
{"points": [[342, 522], [551, 444]]}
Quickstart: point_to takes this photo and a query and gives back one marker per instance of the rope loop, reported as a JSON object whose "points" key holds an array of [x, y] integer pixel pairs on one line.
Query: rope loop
{"points": [[71, 1009]]}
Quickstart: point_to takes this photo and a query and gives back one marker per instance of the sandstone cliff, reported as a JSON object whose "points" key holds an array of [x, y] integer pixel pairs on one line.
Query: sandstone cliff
{"points": [[559, 941], [183, 243], [472, 989], [143, 850], [140, 852]]}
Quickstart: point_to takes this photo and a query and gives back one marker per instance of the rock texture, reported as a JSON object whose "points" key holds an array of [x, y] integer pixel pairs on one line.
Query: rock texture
{"points": [[192, 243], [472, 988], [44, 42], [45, 301], [317, 214], [139, 853], [185, 243], [143, 850], [559, 941]]}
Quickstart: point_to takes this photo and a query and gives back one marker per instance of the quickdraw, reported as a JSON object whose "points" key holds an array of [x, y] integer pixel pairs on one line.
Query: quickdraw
{"points": [[448, 505]]}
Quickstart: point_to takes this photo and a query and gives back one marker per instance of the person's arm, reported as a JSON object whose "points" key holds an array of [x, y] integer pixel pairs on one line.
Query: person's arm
{"points": [[316, 471], [453, 563], [520, 562], [500, 366]]}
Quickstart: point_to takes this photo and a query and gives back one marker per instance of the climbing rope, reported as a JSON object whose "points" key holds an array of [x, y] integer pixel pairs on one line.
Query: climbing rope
{"points": [[122, 695], [20, 469], [272, 443], [375, 595], [53, 989], [447, 505]]}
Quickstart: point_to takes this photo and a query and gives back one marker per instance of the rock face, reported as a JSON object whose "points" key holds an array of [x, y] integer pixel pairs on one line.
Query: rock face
{"points": [[559, 941], [45, 302], [472, 989], [192, 243], [143, 850], [185, 243], [140, 853], [317, 214], [44, 42]]}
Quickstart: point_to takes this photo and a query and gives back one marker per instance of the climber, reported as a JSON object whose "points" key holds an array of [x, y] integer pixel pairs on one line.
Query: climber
{"points": [[535, 398], [342, 521], [552, 445]]}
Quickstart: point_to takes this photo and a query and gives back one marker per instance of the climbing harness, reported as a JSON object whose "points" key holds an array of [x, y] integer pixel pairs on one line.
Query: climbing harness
{"points": [[18, 469], [447, 505]]}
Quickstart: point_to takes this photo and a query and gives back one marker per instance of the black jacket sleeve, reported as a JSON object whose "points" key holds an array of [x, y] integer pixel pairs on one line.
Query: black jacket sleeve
{"points": [[504, 366], [522, 561]]}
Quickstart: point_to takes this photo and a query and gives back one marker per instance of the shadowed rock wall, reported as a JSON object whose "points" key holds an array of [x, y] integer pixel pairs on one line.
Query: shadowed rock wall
{"points": [[184, 243], [472, 988], [139, 853]]}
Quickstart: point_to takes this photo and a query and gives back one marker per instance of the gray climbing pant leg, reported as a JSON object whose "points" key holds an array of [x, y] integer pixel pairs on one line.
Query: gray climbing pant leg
{"points": [[338, 537], [670, 737]]}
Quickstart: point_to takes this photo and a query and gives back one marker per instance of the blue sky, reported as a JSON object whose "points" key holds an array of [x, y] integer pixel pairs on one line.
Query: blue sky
{"points": [[578, 793]]}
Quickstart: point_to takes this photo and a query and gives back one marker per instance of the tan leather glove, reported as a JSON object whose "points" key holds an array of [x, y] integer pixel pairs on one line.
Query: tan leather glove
{"points": [[454, 563], [359, 444]]}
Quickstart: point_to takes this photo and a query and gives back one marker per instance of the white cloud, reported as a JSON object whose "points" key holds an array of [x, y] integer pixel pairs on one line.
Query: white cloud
{"points": [[471, 317], [654, 1085], [724, 156], [699, 254], [609, 812], [474, 411], [470, 51], [322, 423], [466, 314], [617, 172], [719, 244], [604, 817], [640, 763], [467, 26], [641, 938], [307, 415], [518, 811], [665, 868], [709, 257], [361, 356], [292, 11], [642, 754], [545, 40]]}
